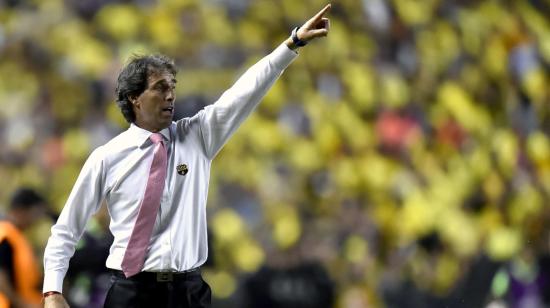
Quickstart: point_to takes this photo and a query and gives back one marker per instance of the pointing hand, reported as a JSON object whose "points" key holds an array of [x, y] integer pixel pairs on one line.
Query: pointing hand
{"points": [[317, 26]]}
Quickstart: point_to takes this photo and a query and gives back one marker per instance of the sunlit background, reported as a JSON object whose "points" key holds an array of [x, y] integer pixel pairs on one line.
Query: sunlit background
{"points": [[403, 161]]}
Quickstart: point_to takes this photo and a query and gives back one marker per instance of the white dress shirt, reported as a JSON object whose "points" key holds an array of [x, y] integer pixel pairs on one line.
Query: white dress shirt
{"points": [[117, 172]]}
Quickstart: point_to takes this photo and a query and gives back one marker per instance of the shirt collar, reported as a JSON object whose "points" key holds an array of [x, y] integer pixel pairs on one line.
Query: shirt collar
{"points": [[141, 135]]}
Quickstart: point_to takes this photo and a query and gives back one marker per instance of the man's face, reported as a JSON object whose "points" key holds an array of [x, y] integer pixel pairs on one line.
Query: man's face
{"points": [[154, 108]]}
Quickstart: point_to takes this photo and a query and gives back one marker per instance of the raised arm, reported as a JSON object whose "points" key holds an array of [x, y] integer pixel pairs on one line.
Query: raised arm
{"points": [[219, 121]]}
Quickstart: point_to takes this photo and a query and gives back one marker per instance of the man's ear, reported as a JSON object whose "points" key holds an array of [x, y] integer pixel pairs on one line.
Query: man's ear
{"points": [[134, 100]]}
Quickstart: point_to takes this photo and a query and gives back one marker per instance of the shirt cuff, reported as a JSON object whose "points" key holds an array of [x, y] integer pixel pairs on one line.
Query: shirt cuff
{"points": [[282, 56], [53, 281]]}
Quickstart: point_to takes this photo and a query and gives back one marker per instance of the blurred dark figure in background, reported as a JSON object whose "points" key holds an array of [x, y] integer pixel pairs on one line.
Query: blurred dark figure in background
{"points": [[293, 277], [471, 290], [19, 275], [303, 285]]}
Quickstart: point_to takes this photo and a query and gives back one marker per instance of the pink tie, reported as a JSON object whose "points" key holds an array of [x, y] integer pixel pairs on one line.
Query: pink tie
{"points": [[141, 234]]}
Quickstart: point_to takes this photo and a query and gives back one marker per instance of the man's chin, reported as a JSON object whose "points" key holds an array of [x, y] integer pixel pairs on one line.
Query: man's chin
{"points": [[167, 122]]}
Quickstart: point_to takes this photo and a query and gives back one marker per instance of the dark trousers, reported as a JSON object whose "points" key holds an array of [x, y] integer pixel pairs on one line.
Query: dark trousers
{"points": [[146, 290]]}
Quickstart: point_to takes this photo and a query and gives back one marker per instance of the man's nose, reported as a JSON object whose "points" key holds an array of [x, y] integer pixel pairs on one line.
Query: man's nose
{"points": [[170, 96]]}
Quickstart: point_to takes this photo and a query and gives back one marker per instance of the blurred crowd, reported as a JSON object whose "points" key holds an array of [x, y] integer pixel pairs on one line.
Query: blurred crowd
{"points": [[403, 161]]}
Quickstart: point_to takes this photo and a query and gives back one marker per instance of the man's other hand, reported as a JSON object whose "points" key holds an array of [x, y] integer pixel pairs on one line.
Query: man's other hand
{"points": [[55, 301]]}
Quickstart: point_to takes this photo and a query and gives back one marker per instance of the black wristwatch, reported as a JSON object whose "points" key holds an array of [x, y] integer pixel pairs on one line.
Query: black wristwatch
{"points": [[298, 42]]}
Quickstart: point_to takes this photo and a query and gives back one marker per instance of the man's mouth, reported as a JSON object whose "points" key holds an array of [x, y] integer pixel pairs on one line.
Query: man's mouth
{"points": [[168, 109]]}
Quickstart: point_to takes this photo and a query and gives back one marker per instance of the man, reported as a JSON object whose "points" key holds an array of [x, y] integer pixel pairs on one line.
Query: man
{"points": [[154, 178], [19, 276]]}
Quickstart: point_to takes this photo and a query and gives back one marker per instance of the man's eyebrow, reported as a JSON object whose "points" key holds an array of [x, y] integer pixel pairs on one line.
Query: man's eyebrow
{"points": [[163, 81]]}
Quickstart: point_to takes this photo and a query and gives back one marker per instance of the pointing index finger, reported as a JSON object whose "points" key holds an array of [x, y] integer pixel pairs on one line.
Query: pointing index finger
{"points": [[319, 15]]}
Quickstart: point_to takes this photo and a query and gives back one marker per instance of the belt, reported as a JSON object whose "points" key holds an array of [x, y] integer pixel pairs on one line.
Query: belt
{"points": [[159, 276]]}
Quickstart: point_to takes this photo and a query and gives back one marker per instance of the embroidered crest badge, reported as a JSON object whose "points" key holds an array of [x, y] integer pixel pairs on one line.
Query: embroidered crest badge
{"points": [[182, 169]]}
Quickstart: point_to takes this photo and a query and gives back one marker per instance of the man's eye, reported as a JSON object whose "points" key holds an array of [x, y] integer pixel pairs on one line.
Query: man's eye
{"points": [[161, 87]]}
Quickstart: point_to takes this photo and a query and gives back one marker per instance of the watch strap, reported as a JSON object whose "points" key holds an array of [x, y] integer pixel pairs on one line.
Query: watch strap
{"points": [[298, 42]]}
